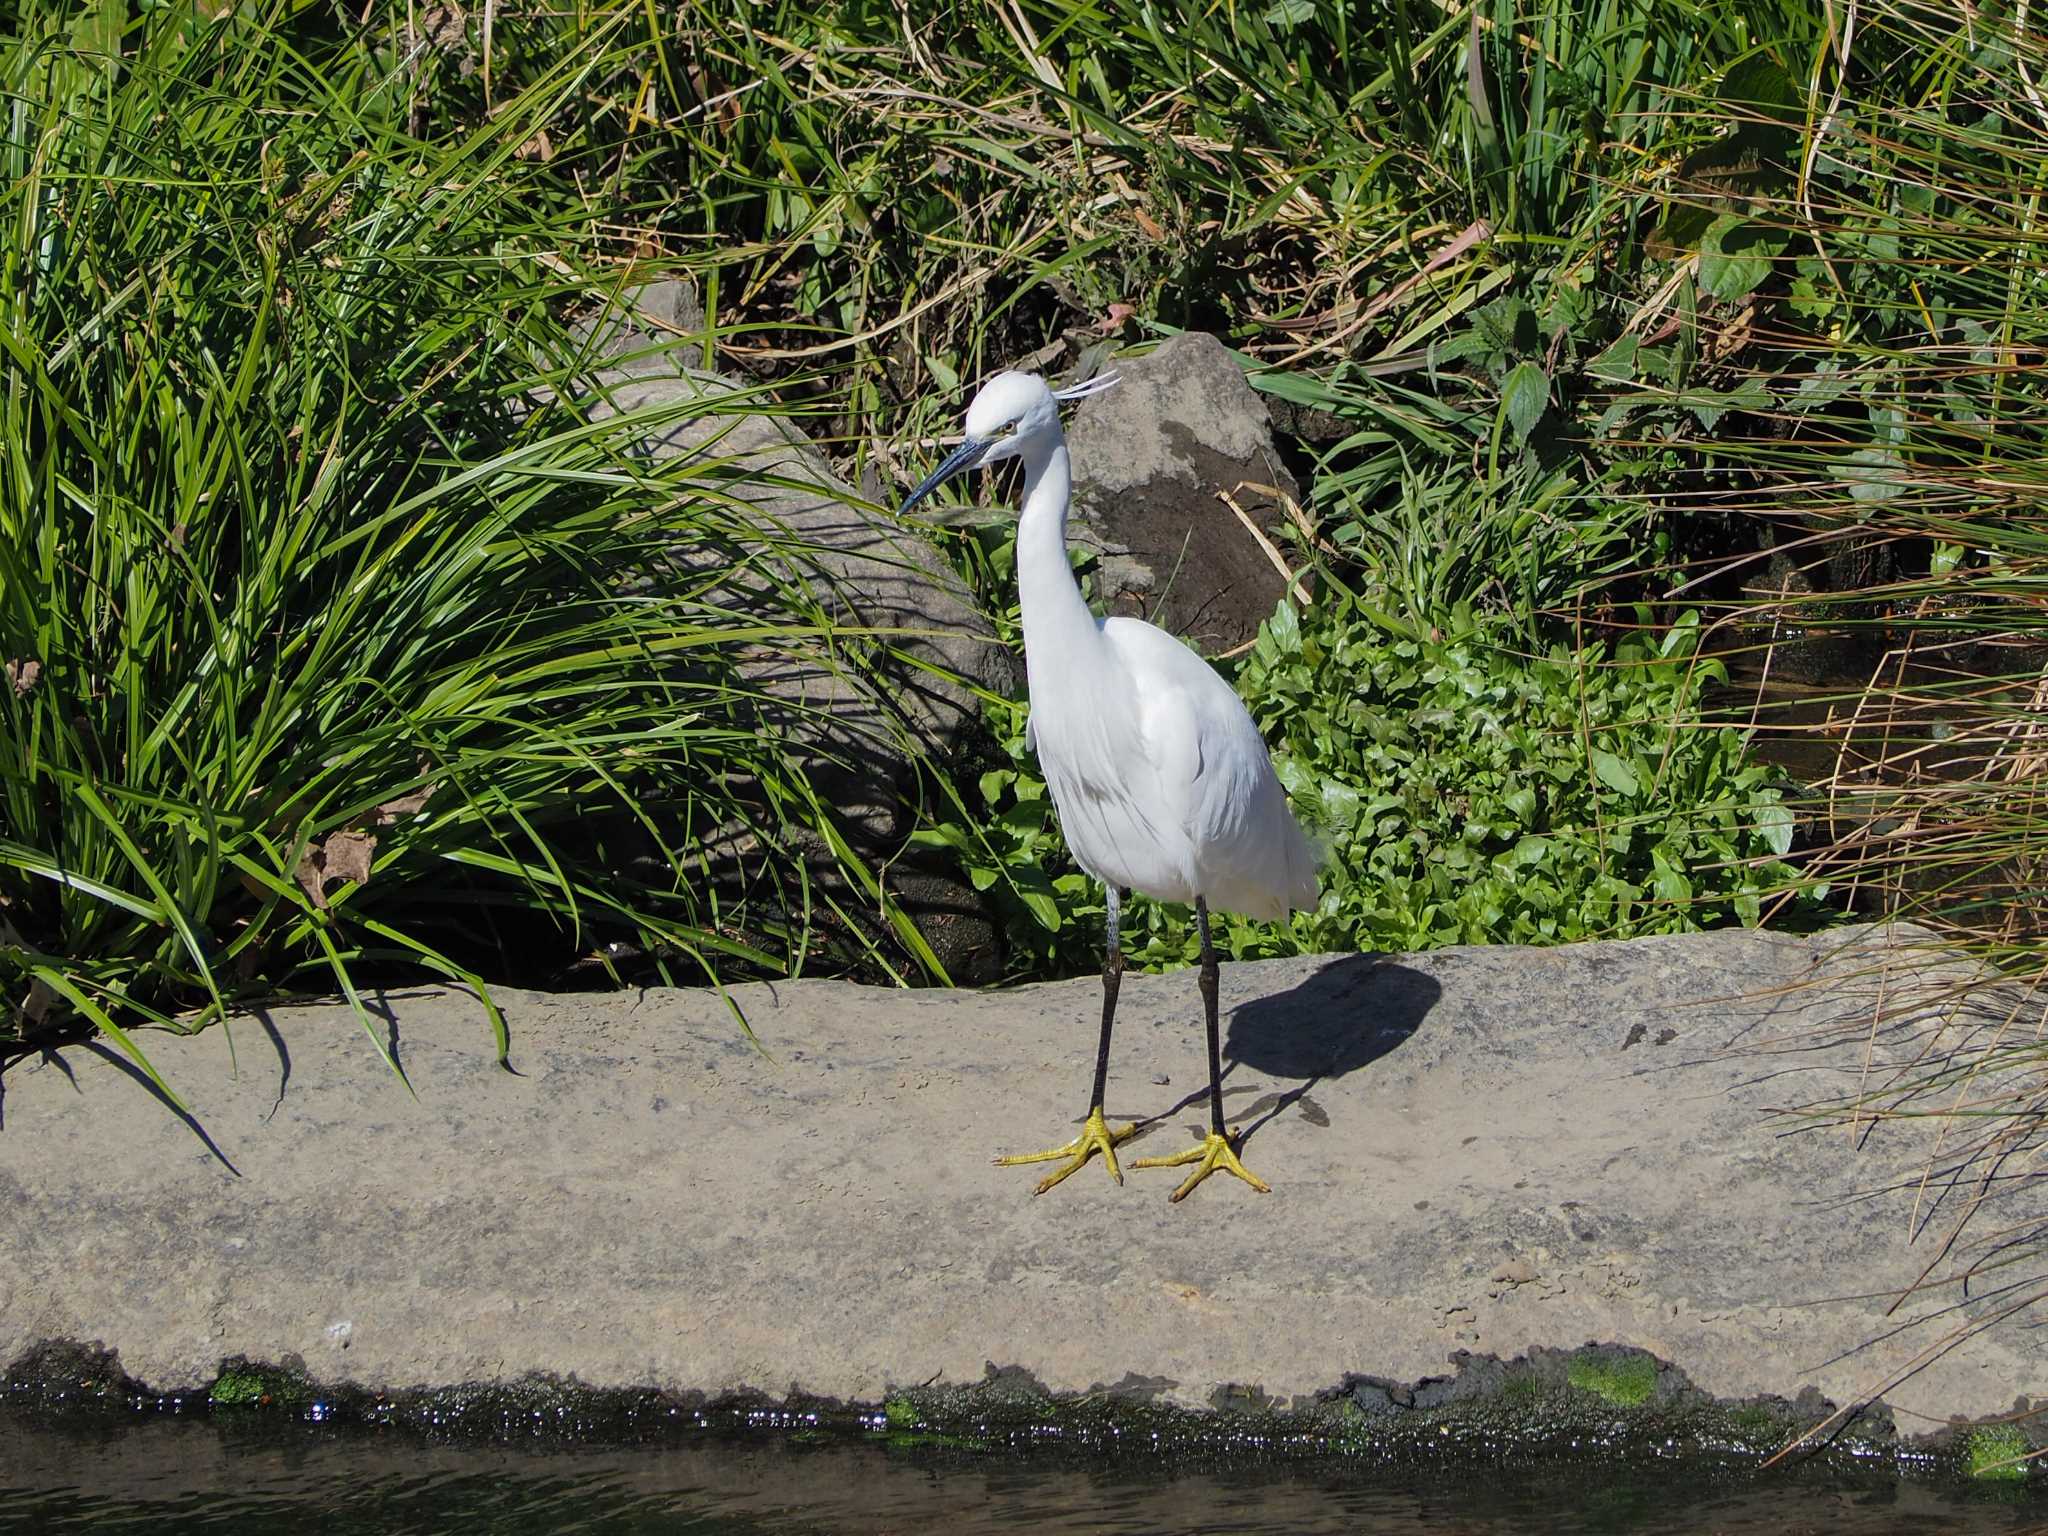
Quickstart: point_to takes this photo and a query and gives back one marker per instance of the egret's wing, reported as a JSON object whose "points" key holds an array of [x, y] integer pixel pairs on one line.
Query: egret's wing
{"points": [[1212, 793], [1173, 709]]}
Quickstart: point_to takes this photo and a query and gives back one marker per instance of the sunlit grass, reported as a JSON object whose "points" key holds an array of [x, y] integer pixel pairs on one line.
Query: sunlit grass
{"points": [[338, 639]]}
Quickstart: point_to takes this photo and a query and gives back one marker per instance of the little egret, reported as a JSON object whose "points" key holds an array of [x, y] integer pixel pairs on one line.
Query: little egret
{"points": [[1161, 779]]}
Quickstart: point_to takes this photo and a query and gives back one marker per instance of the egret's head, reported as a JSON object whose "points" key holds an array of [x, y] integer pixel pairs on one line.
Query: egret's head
{"points": [[1009, 411]]}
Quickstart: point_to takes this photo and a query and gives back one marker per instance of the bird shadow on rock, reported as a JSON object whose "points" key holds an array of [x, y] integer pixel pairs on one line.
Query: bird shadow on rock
{"points": [[1345, 1015]]}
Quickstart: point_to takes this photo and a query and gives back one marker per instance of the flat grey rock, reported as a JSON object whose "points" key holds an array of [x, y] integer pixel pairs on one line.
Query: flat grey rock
{"points": [[866, 569], [1474, 1149]]}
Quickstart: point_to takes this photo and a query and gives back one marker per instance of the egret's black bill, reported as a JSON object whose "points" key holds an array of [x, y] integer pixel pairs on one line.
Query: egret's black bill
{"points": [[965, 457]]}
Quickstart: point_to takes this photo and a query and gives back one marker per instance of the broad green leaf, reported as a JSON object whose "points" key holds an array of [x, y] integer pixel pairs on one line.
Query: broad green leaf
{"points": [[1617, 365], [1525, 394], [1614, 773], [1775, 824], [1736, 253], [1762, 85], [1036, 892], [1872, 474], [1284, 626]]}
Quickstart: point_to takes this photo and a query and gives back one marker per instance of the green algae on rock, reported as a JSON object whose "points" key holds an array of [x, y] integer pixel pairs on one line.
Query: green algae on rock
{"points": [[1624, 1377], [1997, 1453], [242, 1384], [1546, 1407]]}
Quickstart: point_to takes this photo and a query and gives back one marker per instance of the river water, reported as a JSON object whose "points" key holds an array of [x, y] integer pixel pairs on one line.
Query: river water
{"points": [[171, 1477]]}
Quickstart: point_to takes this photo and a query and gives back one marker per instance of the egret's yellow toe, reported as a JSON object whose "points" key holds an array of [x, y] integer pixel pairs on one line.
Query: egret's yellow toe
{"points": [[1097, 1135], [1214, 1151]]}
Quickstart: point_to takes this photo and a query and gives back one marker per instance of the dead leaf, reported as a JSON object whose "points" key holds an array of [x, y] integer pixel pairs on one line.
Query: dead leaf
{"points": [[347, 856], [343, 856], [35, 1008], [445, 26], [540, 147], [308, 874], [1113, 319], [22, 675], [405, 805]]}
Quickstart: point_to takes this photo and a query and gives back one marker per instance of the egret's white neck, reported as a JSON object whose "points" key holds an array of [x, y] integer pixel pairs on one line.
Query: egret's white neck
{"points": [[1059, 631]]}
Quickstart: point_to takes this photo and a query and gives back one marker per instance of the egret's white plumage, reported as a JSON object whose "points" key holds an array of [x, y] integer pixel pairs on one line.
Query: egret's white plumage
{"points": [[1161, 779]]}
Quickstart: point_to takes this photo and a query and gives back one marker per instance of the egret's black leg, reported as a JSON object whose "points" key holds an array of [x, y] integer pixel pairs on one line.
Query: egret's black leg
{"points": [[1215, 1150], [1096, 1133], [1112, 979], [1208, 985]]}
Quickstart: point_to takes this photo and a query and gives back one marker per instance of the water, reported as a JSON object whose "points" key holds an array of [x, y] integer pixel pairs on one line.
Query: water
{"points": [[171, 1477]]}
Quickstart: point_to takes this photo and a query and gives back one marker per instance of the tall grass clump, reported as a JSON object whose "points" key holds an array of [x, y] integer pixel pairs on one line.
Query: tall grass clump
{"points": [[1887, 302], [337, 636], [904, 204], [1893, 313]]}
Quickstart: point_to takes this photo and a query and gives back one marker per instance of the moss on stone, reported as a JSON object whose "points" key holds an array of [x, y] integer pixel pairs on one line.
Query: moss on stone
{"points": [[1521, 1387], [901, 1413], [1624, 1378], [246, 1384], [1994, 1452], [1615, 1400], [237, 1387], [1754, 1422]]}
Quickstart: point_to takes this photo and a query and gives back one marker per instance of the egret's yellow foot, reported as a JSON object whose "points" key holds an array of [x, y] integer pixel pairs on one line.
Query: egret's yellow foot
{"points": [[1097, 1135], [1215, 1151]]}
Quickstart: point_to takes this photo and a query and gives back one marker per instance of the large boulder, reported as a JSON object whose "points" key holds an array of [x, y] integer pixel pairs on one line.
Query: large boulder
{"points": [[876, 572], [872, 573], [1473, 1151], [1157, 463]]}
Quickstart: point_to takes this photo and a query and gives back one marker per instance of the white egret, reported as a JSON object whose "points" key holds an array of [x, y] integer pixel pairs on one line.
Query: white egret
{"points": [[1161, 779]]}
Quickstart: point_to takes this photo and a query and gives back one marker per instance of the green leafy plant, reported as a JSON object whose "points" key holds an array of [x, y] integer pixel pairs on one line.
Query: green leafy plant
{"points": [[1470, 792], [1997, 1453], [1465, 791]]}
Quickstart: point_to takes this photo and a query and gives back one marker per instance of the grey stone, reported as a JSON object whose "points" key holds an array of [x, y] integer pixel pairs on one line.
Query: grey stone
{"points": [[869, 572], [1152, 459], [651, 1202], [642, 317]]}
